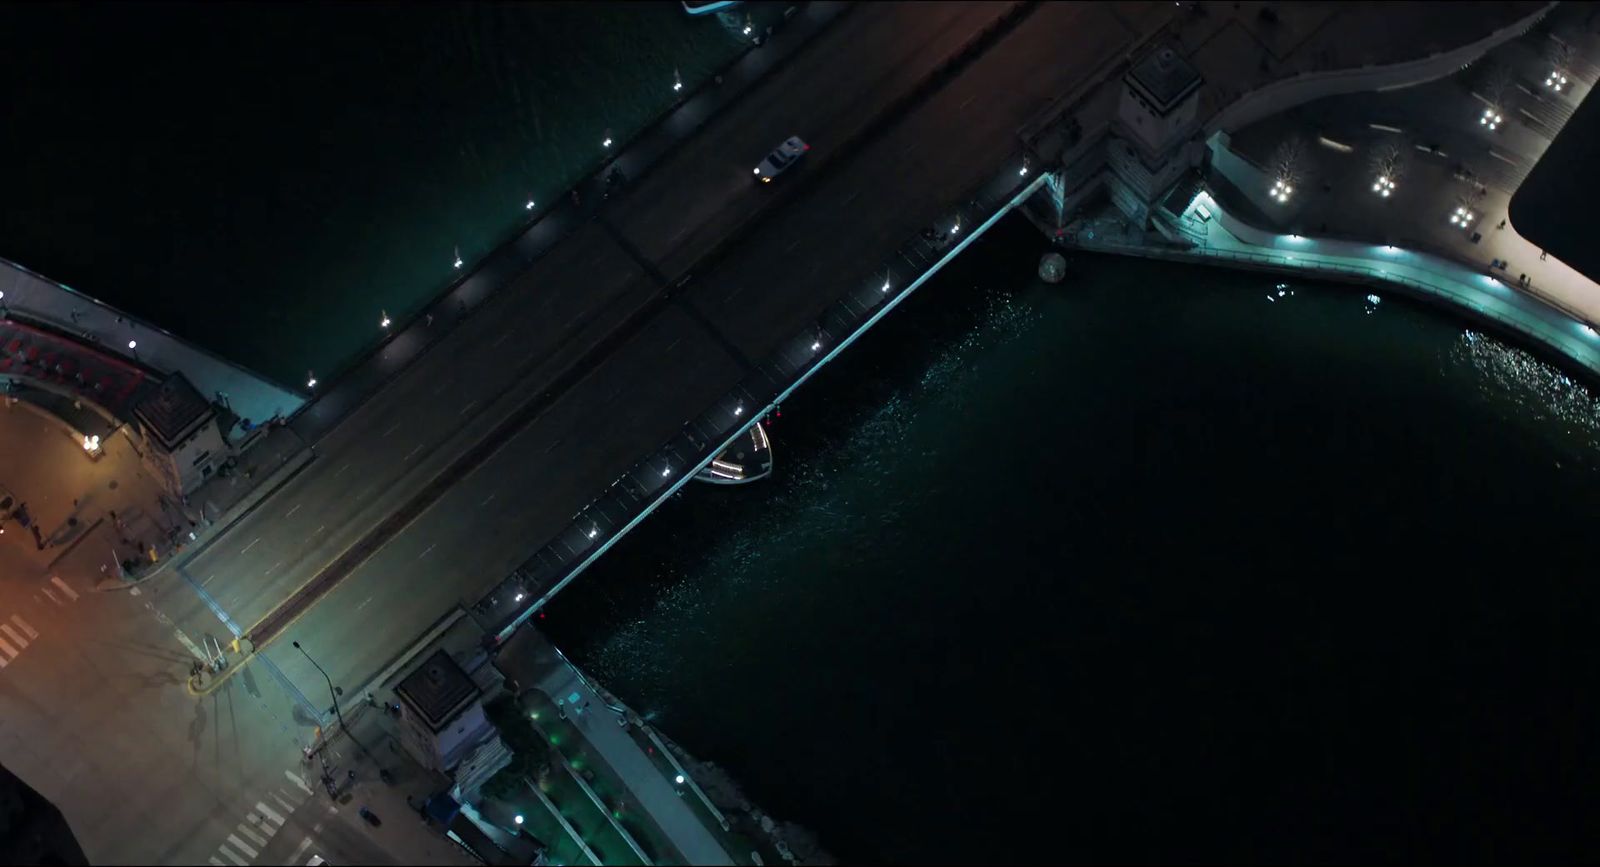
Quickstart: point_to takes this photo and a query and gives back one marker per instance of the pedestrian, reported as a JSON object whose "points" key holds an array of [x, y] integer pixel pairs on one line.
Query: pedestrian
{"points": [[1502, 225], [1542, 255]]}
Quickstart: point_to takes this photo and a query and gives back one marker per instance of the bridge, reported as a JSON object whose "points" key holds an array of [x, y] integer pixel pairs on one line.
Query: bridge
{"points": [[598, 362]]}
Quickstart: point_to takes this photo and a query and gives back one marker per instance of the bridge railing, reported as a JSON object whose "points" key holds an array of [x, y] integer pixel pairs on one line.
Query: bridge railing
{"points": [[650, 481]]}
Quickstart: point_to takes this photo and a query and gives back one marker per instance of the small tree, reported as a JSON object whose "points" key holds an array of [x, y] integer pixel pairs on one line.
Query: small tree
{"points": [[1498, 80], [1388, 164]]}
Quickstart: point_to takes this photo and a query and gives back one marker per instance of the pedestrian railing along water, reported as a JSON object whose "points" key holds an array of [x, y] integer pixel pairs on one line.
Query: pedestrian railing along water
{"points": [[649, 482]]}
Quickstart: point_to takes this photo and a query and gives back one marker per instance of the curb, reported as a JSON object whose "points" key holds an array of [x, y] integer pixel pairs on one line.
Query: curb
{"points": [[285, 473]]}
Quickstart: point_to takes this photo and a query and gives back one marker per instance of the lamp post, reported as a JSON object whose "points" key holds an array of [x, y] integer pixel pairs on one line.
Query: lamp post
{"points": [[332, 690]]}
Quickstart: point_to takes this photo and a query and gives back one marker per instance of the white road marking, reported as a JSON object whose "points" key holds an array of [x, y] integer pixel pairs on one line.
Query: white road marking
{"points": [[968, 102], [319, 529], [391, 429], [1502, 157], [71, 594], [412, 452], [295, 509], [486, 500], [17, 619], [214, 860], [52, 596], [287, 807], [240, 845], [503, 338], [299, 783], [363, 603], [10, 652], [425, 553], [300, 850], [270, 813], [254, 837], [274, 566], [249, 546], [209, 579], [467, 407], [14, 636], [342, 468], [228, 853]]}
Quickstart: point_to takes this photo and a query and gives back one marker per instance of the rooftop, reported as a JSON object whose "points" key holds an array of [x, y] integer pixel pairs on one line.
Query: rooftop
{"points": [[1164, 78], [173, 410], [437, 689], [1548, 208]]}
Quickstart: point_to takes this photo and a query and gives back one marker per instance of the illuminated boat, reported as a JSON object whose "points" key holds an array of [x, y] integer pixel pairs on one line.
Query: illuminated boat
{"points": [[747, 459]]}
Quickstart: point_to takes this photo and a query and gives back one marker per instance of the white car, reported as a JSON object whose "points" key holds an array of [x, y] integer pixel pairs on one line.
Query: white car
{"points": [[782, 157]]}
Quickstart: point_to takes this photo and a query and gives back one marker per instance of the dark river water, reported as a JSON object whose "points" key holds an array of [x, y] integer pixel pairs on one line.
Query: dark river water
{"points": [[1141, 566], [1156, 564]]}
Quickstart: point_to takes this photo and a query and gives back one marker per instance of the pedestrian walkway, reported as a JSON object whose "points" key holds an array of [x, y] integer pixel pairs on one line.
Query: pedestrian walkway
{"points": [[538, 666], [369, 748], [1226, 239], [20, 627], [256, 828]]}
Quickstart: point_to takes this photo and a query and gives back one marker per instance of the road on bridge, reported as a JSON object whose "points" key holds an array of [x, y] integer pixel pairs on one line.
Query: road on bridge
{"points": [[796, 246]]}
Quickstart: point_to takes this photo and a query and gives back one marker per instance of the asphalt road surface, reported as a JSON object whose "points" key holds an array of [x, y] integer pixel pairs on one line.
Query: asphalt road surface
{"points": [[153, 776]]}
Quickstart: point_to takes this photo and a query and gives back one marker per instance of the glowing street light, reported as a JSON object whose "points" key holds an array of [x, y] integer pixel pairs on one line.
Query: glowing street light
{"points": [[816, 345], [458, 257], [955, 228], [91, 444], [1491, 119], [665, 472], [133, 344], [593, 532], [677, 81], [738, 411], [1281, 190], [384, 321], [1383, 186], [311, 379], [1555, 80], [678, 779], [517, 819], [747, 25], [607, 141], [1462, 217], [529, 205], [885, 286]]}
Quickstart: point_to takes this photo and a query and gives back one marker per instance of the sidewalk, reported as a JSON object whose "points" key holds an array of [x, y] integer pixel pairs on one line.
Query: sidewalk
{"points": [[404, 832], [262, 469], [342, 393], [1226, 239]]}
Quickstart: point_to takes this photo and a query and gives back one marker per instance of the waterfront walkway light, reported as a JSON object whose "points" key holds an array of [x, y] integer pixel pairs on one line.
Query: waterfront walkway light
{"points": [[1281, 190], [678, 779], [384, 322]]}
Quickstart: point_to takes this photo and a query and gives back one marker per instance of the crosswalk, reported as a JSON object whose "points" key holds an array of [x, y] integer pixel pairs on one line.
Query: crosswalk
{"points": [[250, 837], [17, 634]]}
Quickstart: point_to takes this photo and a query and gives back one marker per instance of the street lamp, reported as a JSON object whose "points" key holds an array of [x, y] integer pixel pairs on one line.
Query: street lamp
{"points": [[517, 818], [384, 322], [458, 257], [1490, 119], [1281, 190], [332, 690], [607, 142], [1462, 217], [1555, 80], [1383, 186], [677, 81], [311, 379], [529, 205]]}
